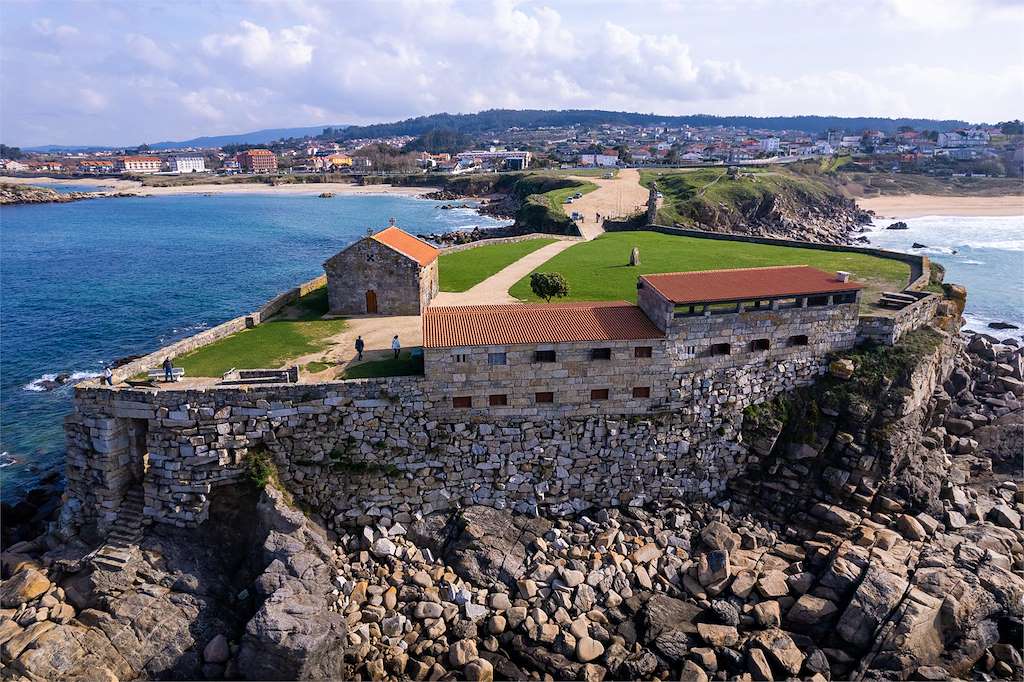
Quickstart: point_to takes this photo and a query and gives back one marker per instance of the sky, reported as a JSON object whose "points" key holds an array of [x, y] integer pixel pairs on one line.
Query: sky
{"points": [[133, 71]]}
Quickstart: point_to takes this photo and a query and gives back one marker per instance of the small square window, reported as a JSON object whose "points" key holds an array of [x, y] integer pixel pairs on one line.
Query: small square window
{"points": [[600, 353], [599, 394], [720, 349], [642, 352], [545, 397], [798, 340], [497, 358], [462, 401], [760, 344], [544, 356], [641, 391], [459, 357], [497, 399]]}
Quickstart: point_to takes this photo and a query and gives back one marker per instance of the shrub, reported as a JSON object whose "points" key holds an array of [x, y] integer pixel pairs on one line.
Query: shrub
{"points": [[548, 285]]}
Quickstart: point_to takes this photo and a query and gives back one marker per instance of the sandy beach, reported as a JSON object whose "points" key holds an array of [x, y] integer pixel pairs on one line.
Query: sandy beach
{"points": [[117, 186], [918, 205]]}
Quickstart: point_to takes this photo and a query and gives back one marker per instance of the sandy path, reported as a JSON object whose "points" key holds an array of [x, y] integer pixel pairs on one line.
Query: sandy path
{"points": [[494, 289], [134, 187], [620, 196], [917, 205], [376, 331]]}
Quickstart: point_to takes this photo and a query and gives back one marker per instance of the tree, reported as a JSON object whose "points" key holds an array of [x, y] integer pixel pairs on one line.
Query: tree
{"points": [[1014, 127], [548, 285], [10, 152]]}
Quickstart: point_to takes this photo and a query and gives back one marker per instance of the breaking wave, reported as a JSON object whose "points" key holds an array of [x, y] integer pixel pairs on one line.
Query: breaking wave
{"points": [[49, 382]]}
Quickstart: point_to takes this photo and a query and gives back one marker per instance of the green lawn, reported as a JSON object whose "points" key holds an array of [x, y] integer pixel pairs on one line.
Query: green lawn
{"points": [[462, 270], [297, 331], [389, 367], [599, 270]]}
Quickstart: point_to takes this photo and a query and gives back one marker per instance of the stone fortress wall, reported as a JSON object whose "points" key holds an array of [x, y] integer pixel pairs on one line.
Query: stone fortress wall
{"points": [[359, 449]]}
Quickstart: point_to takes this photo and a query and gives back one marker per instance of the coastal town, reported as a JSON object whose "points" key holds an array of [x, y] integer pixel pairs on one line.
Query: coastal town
{"points": [[995, 151]]}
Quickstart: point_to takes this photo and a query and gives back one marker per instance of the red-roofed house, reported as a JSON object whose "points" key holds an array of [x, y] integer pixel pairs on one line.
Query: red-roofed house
{"points": [[389, 272]]}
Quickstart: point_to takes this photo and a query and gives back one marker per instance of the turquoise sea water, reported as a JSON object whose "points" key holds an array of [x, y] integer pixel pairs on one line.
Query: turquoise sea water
{"points": [[984, 254], [85, 283]]}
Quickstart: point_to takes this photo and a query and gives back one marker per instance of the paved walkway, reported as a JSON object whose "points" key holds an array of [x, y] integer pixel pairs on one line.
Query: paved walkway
{"points": [[495, 288]]}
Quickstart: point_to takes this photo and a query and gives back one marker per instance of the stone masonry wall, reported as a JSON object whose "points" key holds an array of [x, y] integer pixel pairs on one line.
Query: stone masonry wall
{"points": [[401, 285], [369, 448], [888, 330]]}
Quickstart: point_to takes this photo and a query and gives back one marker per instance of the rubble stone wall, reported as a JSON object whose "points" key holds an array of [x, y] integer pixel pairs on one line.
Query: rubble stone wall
{"points": [[888, 330], [369, 447]]}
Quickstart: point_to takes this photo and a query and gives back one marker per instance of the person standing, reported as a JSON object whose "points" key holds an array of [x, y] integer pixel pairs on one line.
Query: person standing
{"points": [[168, 370], [108, 376], [360, 345], [396, 346]]}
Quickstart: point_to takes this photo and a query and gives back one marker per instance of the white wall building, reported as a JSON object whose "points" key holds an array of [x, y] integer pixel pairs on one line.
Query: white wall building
{"points": [[186, 164], [606, 160], [770, 144]]}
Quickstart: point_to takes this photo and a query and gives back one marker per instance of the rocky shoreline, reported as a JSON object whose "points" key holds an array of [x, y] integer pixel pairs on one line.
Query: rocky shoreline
{"points": [[879, 539], [11, 194]]}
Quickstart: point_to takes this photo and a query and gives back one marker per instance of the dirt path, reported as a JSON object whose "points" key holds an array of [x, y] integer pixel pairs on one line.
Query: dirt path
{"points": [[614, 198], [494, 289], [376, 331]]}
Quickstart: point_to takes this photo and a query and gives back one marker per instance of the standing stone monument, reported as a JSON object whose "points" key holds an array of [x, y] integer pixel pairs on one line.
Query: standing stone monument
{"points": [[634, 256], [652, 205]]}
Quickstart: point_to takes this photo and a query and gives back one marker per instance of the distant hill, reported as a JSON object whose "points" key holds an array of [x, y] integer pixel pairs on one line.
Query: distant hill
{"points": [[255, 137], [495, 120]]}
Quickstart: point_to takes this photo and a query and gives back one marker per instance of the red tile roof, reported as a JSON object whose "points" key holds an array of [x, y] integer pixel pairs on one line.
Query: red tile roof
{"points": [[709, 286], [485, 325], [407, 245]]}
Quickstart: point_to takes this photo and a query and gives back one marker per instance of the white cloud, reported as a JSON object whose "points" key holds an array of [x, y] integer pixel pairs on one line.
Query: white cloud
{"points": [[90, 102], [258, 47], [146, 49]]}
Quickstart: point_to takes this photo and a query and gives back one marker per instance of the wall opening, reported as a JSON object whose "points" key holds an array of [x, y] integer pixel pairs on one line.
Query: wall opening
{"points": [[138, 450], [371, 302]]}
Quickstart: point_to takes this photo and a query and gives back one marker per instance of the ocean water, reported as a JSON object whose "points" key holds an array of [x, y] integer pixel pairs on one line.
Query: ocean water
{"points": [[85, 283], [984, 254], [68, 188]]}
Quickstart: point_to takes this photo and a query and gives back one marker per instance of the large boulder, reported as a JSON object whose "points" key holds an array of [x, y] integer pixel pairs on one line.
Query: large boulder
{"points": [[23, 586], [491, 544], [877, 595]]}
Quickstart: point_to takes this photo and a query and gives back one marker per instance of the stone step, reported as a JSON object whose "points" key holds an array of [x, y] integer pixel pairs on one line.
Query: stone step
{"points": [[107, 565]]}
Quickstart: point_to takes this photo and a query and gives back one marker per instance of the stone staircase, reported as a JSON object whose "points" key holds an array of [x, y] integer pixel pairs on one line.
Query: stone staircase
{"points": [[124, 536]]}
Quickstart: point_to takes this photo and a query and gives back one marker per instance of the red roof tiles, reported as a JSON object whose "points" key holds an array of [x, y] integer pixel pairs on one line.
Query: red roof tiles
{"points": [[709, 286], [535, 323], [407, 245]]}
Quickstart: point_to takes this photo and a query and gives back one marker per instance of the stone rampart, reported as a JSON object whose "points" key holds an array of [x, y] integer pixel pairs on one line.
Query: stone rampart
{"points": [[889, 329], [383, 447]]}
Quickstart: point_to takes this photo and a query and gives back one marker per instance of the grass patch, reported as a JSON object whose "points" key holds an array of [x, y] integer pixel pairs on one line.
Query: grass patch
{"points": [[599, 270], [297, 331], [405, 365], [316, 366], [584, 172], [462, 270]]}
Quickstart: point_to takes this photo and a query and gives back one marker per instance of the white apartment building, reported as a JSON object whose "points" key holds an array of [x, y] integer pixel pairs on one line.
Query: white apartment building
{"points": [[186, 164], [770, 144], [603, 160]]}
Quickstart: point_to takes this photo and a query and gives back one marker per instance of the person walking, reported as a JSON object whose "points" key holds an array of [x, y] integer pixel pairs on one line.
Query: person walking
{"points": [[360, 345], [396, 346], [108, 376], [168, 370]]}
